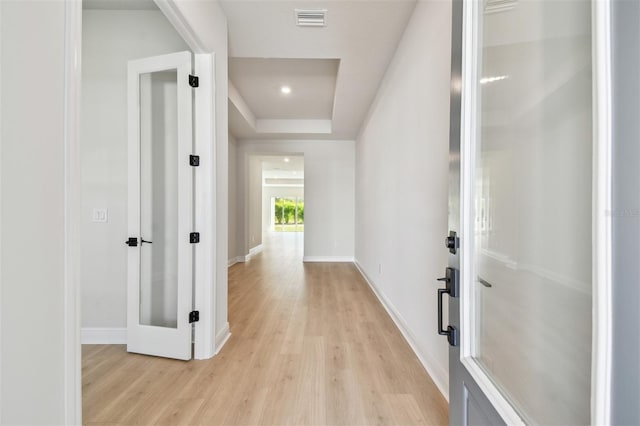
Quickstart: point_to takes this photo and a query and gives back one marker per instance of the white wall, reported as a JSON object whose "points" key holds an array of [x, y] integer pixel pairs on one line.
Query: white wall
{"points": [[110, 39], [255, 202], [233, 189], [329, 194], [402, 183], [32, 218]]}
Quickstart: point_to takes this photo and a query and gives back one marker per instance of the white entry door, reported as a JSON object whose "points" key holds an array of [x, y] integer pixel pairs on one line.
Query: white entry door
{"points": [[160, 206], [521, 206]]}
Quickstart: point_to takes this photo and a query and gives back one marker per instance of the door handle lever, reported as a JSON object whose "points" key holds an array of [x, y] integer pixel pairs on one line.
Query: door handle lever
{"points": [[451, 288], [145, 241]]}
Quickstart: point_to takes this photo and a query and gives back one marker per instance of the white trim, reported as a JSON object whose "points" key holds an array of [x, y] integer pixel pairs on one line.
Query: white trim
{"points": [[439, 376], [175, 17], [103, 336], [247, 257], [328, 259], [205, 207], [255, 250], [71, 293], [470, 61], [495, 397], [602, 234], [237, 259], [222, 337]]}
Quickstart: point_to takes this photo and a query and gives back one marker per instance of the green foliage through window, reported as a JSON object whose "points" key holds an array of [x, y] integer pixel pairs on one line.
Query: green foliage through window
{"points": [[288, 211]]}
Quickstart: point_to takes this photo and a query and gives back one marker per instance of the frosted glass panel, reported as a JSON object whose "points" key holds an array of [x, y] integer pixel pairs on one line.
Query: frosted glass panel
{"points": [[158, 199], [533, 208]]}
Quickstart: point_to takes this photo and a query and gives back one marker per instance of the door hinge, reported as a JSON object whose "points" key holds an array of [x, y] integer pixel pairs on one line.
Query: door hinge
{"points": [[194, 81], [194, 237], [194, 160], [194, 316]]}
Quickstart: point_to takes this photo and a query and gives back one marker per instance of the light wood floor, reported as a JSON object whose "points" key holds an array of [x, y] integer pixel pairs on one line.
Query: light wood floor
{"points": [[310, 344]]}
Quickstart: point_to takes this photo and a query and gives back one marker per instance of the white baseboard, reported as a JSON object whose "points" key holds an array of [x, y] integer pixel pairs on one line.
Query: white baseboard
{"points": [[439, 375], [242, 259], [103, 336], [118, 336], [237, 259], [257, 249], [222, 337], [327, 259]]}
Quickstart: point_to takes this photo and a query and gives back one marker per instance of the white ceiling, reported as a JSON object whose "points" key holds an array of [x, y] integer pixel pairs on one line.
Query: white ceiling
{"points": [[361, 34], [275, 167], [259, 81]]}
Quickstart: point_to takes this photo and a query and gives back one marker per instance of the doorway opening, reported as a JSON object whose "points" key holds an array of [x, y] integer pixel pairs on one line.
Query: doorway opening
{"points": [[142, 80], [283, 193], [281, 203]]}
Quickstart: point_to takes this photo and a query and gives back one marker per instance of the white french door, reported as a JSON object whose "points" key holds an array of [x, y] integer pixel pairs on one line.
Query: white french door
{"points": [[160, 206], [521, 204]]}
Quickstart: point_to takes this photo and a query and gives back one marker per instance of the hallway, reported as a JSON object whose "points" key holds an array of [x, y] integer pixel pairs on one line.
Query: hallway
{"points": [[310, 344]]}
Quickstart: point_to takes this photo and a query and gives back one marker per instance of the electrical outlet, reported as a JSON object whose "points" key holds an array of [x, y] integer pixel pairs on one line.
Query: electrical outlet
{"points": [[100, 215]]}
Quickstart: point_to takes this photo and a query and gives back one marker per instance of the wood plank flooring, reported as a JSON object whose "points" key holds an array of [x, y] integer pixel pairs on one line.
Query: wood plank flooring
{"points": [[310, 345]]}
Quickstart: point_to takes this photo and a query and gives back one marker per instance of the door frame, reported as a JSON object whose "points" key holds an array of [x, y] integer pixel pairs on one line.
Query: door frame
{"points": [[205, 216], [205, 183], [601, 208]]}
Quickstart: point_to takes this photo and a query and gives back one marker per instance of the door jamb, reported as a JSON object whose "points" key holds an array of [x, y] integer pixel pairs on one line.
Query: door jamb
{"points": [[205, 182], [72, 372]]}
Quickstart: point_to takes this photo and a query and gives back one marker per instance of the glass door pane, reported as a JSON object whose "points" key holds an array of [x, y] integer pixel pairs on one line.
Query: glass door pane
{"points": [[533, 207], [159, 199]]}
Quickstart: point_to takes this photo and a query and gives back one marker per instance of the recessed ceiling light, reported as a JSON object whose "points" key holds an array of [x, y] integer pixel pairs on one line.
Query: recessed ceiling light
{"points": [[285, 90], [286, 160]]}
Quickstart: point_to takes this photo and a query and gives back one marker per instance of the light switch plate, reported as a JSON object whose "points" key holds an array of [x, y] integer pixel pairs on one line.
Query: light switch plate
{"points": [[100, 215]]}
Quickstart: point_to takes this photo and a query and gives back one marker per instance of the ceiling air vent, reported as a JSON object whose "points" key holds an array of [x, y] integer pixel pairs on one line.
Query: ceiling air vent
{"points": [[495, 6], [310, 18]]}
